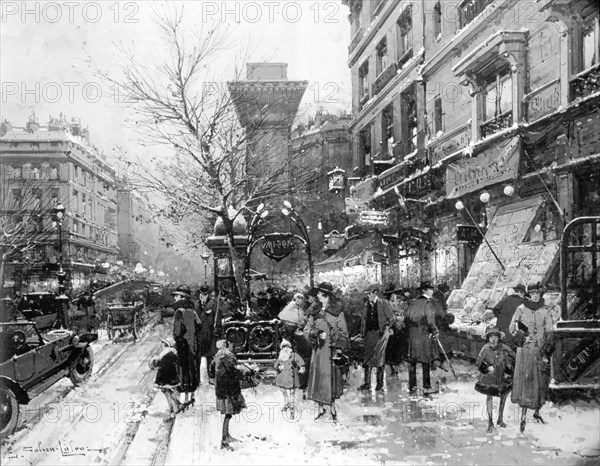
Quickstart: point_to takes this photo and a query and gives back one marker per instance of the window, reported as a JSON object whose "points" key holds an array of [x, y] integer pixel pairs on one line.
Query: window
{"points": [[37, 199], [363, 81], [382, 59], [14, 172], [53, 172], [409, 121], [15, 199], [75, 226], [364, 148], [75, 201], [590, 41], [404, 34], [468, 10], [387, 129], [497, 102], [437, 115], [54, 193], [437, 21], [84, 204]]}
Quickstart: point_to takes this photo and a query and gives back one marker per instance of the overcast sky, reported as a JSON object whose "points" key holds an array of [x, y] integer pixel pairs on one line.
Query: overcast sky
{"points": [[48, 49]]}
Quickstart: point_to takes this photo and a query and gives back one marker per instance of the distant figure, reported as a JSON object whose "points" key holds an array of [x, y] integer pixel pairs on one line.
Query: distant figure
{"points": [[293, 312]]}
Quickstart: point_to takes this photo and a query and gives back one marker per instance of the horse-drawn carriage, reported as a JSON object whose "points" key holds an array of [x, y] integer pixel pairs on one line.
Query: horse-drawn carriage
{"points": [[123, 319]]}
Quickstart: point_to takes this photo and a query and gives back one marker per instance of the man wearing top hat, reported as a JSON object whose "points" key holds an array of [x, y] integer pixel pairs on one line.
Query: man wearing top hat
{"points": [[419, 319], [504, 311], [376, 316], [202, 298]]}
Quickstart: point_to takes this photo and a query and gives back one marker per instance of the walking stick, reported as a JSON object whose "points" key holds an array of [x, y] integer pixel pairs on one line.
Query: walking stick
{"points": [[445, 355]]}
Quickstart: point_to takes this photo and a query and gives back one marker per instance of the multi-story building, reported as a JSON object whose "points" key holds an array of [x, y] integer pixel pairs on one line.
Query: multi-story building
{"points": [[137, 229], [476, 114], [43, 167]]}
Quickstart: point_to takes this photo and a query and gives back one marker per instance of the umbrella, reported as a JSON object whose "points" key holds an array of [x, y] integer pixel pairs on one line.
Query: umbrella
{"points": [[378, 357]]}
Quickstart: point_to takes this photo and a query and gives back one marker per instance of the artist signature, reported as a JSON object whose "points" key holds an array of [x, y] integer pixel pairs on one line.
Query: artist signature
{"points": [[65, 448]]}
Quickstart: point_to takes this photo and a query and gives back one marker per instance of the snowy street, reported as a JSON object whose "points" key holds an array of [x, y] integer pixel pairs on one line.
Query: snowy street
{"points": [[117, 417]]}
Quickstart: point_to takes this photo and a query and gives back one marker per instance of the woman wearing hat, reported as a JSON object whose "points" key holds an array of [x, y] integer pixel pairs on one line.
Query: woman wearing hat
{"points": [[185, 328], [496, 363], [328, 334], [531, 326], [166, 376]]}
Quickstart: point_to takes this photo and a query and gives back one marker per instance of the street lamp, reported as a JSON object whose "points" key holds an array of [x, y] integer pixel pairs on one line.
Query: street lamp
{"points": [[59, 214], [289, 211]]}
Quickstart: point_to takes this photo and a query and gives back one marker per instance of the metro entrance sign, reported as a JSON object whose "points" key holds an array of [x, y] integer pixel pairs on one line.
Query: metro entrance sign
{"points": [[277, 245]]}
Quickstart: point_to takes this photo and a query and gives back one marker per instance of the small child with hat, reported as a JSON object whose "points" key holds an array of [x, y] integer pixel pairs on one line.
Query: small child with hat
{"points": [[289, 366], [166, 377], [496, 363]]}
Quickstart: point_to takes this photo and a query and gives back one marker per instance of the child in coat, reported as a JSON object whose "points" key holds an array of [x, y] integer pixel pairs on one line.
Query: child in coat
{"points": [[496, 363], [289, 366], [166, 377]]}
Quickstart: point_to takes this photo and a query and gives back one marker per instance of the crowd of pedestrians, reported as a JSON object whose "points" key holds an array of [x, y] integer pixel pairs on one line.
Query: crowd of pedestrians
{"points": [[320, 337]]}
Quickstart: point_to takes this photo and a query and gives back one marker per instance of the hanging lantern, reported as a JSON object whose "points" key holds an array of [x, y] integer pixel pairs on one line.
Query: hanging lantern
{"points": [[337, 180]]}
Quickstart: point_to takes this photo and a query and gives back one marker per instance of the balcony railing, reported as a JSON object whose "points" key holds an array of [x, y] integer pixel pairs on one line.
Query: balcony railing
{"points": [[404, 58], [586, 83], [356, 39], [494, 125], [384, 77], [468, 10]]}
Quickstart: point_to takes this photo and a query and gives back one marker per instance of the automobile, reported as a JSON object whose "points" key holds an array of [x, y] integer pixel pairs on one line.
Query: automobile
{"points": [[43, 307], [31, 362]]}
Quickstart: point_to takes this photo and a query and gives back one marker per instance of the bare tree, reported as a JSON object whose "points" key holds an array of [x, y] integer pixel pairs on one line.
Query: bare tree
{"points": [[25, 217], [217, 167]]}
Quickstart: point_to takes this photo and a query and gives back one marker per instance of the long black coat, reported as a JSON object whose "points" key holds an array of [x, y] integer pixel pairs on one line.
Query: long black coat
{"points": [[419, 320], [210, 330]]}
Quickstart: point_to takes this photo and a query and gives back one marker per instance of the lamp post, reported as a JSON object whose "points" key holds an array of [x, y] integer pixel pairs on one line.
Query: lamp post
{"points": [[484, 198], [258, 216], [205, 258], [59, 214], [289, 211]]}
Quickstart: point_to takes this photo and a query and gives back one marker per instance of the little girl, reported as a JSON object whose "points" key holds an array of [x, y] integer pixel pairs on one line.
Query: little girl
{"points": [[496, 364], [289, 366], [166, 376]]}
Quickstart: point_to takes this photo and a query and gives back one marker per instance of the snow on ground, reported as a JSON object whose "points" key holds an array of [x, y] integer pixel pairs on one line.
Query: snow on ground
{"points": [[449, 428]]}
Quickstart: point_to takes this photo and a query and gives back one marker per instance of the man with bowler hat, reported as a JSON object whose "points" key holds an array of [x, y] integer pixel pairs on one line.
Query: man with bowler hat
{"points": [[377, 317], [419, 319]]}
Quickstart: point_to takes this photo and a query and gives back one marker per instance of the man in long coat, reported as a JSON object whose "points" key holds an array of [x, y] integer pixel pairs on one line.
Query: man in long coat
{"points": [[504, 312], [210, 330], [419, 319], [377, 315]]}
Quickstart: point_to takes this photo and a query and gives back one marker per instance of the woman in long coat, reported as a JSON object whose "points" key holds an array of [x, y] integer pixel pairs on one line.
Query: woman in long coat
{"points": [[185, 328], [531, 326], [211, 327], [328, 333]]}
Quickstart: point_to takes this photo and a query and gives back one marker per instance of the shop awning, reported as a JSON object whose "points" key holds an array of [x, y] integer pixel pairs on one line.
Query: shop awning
{"points": [[349, 254], [524, 261]]}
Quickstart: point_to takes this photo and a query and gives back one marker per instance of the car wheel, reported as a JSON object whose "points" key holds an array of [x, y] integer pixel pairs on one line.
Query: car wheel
{"points": [[9, 412], [83, 367]]}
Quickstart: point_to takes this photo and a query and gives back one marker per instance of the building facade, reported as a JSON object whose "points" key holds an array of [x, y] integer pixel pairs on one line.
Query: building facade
{"points": [[138, 232], [476, 118], [42, 167]]}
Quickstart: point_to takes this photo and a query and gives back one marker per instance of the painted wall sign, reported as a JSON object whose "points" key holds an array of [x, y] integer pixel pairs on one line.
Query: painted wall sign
{"points": [[543, 101], [277, 245], [580, 358], [494, 165], [451, 144], [374, 218]]}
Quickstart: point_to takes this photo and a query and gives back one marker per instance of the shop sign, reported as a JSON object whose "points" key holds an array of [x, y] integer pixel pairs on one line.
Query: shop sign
{"points": [[543, 101], [580, 358], [468, 234], [337, 180], [277, 245], [374, 218], [497, 164]]}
